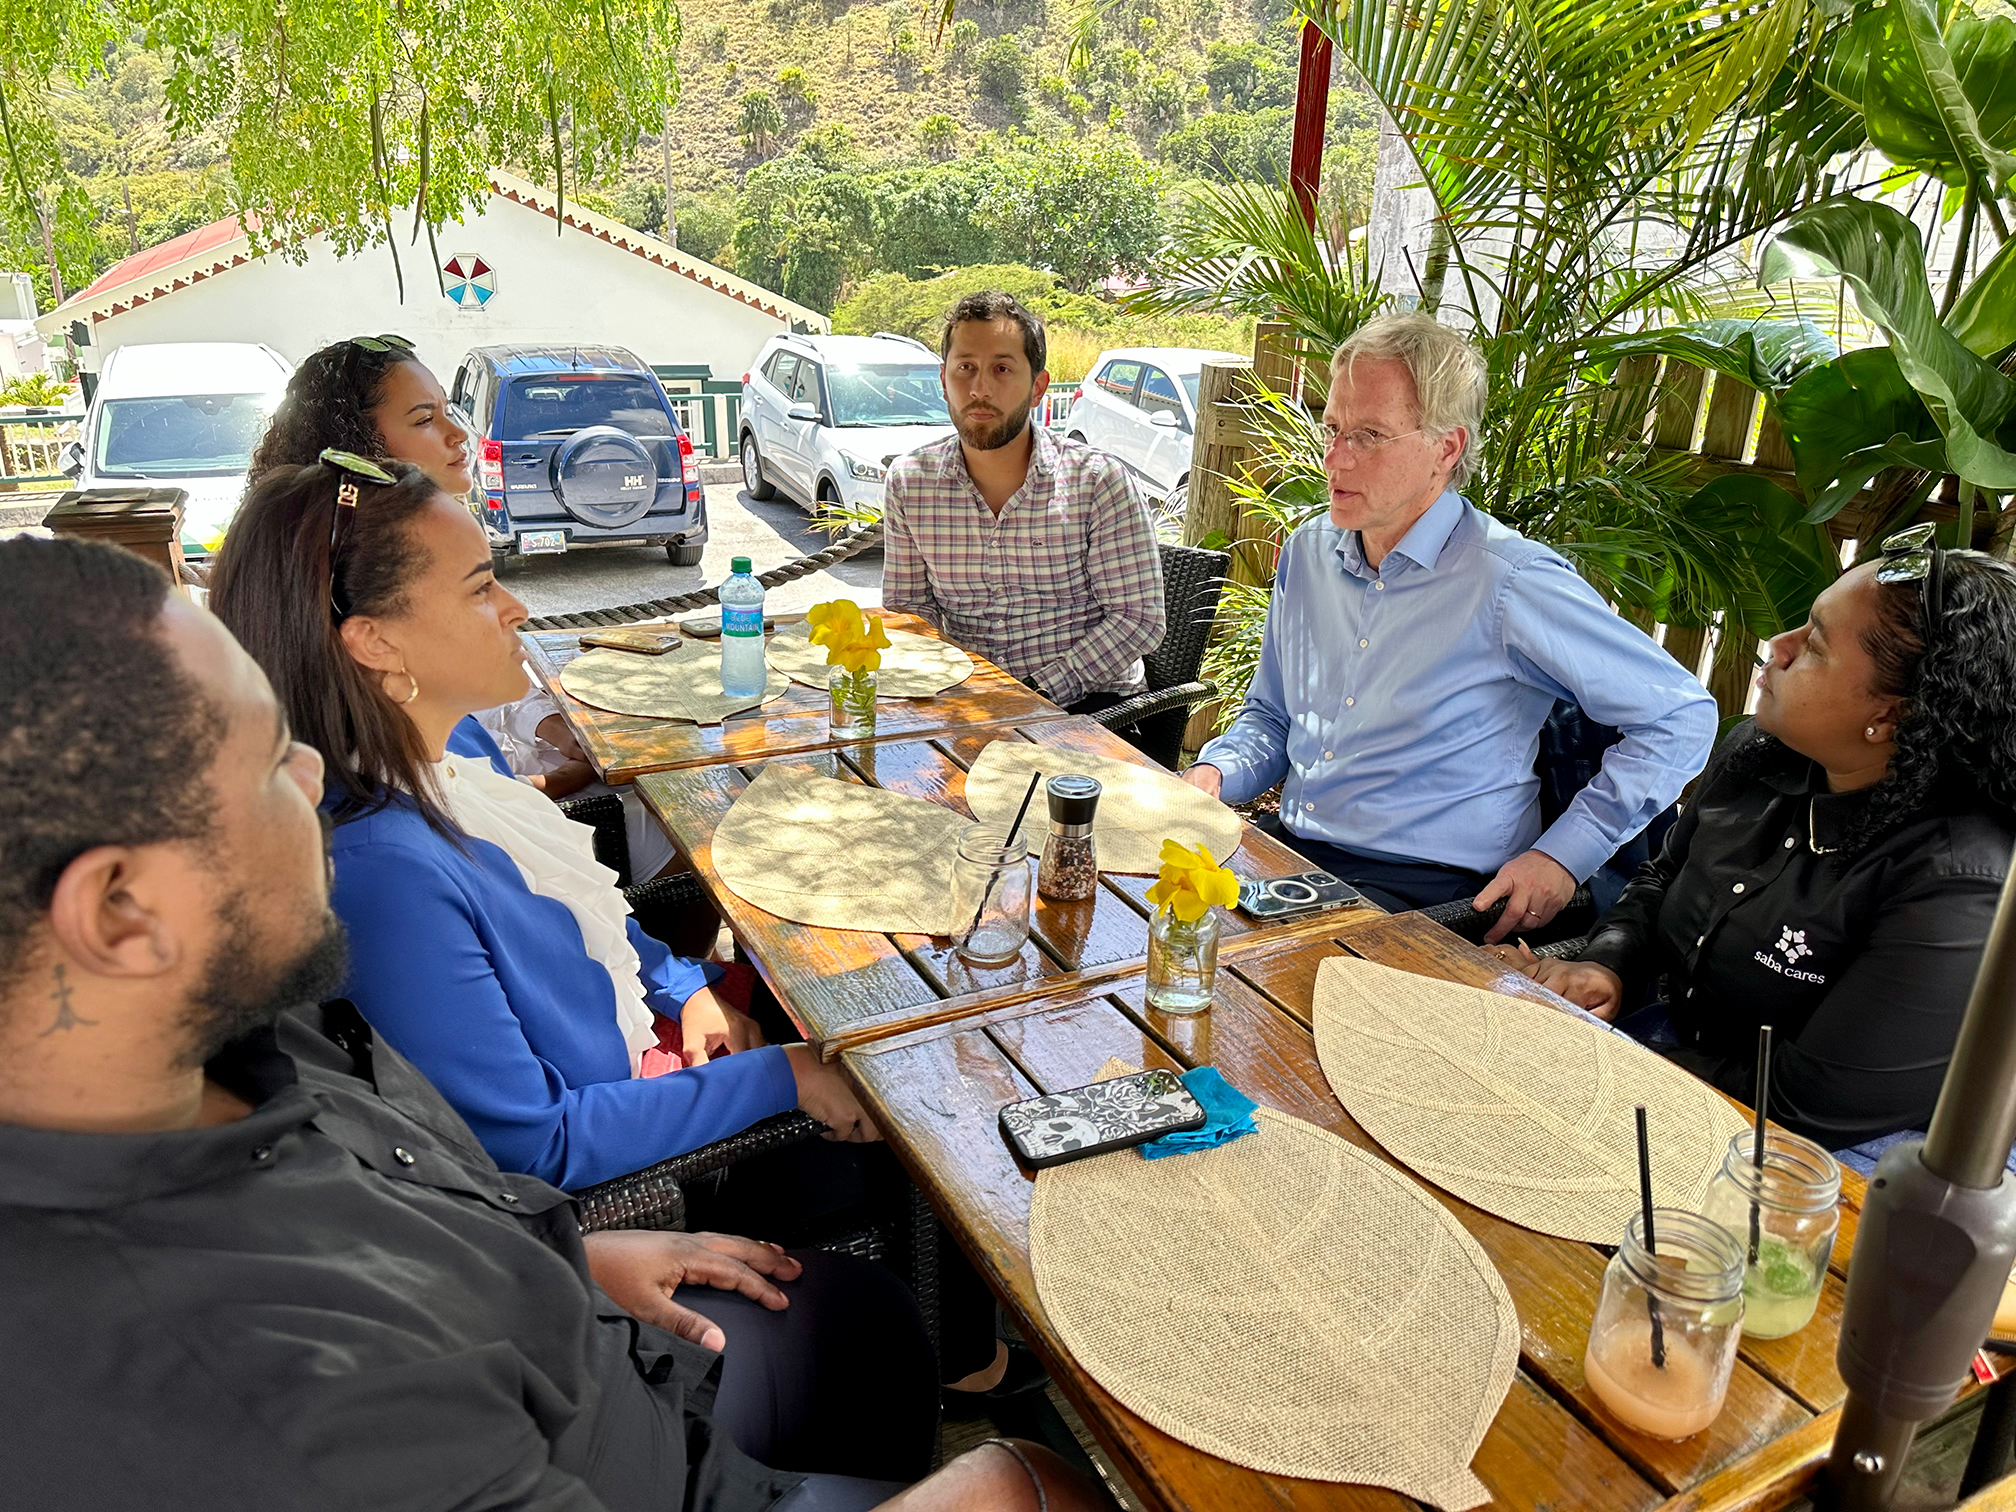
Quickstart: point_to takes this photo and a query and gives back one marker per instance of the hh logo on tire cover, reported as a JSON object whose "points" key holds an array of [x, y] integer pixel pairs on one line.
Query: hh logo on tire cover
{"points": [[633, 480]]}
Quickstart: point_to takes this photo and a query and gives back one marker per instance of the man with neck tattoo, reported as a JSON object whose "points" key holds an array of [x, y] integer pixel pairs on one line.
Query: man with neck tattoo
{"points": [[250, 1257], [1035, 553]]}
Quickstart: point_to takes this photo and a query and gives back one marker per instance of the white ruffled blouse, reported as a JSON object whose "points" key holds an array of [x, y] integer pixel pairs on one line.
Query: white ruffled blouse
{"points": [[556, 857]]}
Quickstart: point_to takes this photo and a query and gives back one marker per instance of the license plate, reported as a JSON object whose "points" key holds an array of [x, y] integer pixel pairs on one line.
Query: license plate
{"points": [[541, 542]]}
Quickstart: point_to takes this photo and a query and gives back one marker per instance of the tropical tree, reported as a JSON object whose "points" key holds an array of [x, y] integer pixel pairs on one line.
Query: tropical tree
{"points": [[337, 117], [939, 135], [1084, 210], [1935, 93], [759, 121], [1596, 173]]}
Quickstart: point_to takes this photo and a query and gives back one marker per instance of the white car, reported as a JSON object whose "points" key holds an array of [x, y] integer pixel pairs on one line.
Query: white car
{"points": [[185, 415], [1140, 405], [824, 416]]}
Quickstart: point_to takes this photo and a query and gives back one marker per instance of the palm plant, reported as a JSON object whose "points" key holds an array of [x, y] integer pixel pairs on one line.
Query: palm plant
{"points": [[1597, 173]]}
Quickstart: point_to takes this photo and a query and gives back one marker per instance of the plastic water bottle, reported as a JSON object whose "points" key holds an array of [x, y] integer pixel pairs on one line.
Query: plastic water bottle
{"points": [[743, 671]]}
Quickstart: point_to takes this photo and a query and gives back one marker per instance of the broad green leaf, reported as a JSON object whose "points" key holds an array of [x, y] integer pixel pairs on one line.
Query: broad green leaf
{"points": [[1942, 102], [1766, 354], [1984, 318], [1791, 562], [1857, 468], [1857, 401], [1877, 252]]}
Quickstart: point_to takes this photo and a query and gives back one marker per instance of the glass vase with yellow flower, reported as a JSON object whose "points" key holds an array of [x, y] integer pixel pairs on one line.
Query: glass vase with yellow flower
{"points": [[854, 644], [1183, 930]]}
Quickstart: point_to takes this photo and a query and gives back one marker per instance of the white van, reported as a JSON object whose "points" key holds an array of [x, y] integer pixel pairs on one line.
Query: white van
{"points": [[182, 414]]}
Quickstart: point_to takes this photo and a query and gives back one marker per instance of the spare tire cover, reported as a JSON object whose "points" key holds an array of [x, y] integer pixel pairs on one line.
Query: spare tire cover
{"points": [[605, 477]]}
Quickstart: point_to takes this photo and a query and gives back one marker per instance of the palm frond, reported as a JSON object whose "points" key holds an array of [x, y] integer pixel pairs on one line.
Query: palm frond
{"points": [[1245, 249]]}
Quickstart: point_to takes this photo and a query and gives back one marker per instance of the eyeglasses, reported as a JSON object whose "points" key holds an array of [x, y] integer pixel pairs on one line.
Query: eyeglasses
{"points": [[349, 468], [1913, 556], [1362, 442]]}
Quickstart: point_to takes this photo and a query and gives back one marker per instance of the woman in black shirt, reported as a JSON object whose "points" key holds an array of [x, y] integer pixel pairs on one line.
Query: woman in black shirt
{"points": [[1836, 872]]}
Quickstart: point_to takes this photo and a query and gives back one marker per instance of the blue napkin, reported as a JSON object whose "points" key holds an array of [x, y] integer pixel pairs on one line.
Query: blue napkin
{"points": [[1228, 1114]]}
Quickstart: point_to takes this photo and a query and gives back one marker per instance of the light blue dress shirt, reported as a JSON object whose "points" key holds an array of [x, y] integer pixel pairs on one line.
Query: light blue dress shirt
{"points": [[1402, 704]]}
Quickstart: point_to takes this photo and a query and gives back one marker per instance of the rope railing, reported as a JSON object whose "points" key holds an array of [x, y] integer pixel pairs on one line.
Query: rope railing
{"points": [[850, 545]]}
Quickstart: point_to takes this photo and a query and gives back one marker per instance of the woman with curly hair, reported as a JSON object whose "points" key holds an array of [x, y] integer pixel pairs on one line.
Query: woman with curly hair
{"points": [[369, 395], [1837, 870]]}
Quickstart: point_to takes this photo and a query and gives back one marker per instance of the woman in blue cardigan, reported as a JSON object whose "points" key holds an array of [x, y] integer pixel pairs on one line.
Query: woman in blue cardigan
{"points": [[486, 943]]}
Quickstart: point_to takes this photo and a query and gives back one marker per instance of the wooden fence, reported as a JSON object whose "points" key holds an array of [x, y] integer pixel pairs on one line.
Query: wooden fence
{"points": [[1715, 422]]}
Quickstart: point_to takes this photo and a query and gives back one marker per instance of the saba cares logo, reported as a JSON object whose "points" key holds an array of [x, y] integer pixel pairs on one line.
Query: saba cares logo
{"points": [[1793, 947]]}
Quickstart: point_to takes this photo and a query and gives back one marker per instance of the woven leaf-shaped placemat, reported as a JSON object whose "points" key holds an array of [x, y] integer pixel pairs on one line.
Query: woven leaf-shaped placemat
{"points": [[1513, 1106], [838, 854], [1140, 807], [686, 685], [914, 666], [1286, 1302]]}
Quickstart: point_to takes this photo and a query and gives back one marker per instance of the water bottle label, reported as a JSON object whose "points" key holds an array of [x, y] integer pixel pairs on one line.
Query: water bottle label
{"points": [[741, 621]]}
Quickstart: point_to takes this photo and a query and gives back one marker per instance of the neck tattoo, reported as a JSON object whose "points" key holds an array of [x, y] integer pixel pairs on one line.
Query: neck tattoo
{"points": [[66, 1016]]}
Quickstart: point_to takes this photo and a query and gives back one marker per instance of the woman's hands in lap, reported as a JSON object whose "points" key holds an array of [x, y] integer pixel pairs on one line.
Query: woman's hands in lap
{"points": [[709, 1027], [1583, 983]]}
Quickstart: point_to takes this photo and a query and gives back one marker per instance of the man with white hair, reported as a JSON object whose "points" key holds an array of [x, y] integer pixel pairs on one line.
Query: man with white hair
{"points": [[1414, 648]]}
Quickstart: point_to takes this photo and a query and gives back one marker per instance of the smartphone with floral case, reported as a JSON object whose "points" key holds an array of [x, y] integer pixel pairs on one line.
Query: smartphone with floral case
{"points": [[1108, 1115]]}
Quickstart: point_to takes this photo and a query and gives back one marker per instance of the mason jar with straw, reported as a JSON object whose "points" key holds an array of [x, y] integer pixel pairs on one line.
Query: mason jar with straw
{"points": [[1663, 1341], [1780, 1196]]}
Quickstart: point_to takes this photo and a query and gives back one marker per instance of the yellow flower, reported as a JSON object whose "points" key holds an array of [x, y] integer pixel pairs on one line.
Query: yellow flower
{"points": [[852, 639], [1190, 882]]}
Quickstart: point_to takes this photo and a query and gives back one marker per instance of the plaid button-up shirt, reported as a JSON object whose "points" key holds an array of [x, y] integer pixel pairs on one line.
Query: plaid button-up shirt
{"points": [[1063, 587]]}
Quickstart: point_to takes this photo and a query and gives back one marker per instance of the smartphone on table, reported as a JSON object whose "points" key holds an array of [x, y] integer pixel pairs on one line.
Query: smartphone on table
{"points": [[1108, 1115]]}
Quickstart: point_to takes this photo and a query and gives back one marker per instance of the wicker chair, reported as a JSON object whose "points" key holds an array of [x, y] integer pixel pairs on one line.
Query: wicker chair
{"points": [[655, 1198], [1471, 924], [1154, 720]]}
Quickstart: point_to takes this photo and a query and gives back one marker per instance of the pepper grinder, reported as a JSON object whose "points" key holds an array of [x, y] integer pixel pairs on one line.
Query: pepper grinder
{"points": [[1070, 868]]}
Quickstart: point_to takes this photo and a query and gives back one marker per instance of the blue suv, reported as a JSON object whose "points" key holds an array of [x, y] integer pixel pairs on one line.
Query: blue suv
{"points": [[578, 446]]}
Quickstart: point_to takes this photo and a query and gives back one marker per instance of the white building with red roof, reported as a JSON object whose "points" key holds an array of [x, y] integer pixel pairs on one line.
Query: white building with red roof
{"points": [[521, 271]]}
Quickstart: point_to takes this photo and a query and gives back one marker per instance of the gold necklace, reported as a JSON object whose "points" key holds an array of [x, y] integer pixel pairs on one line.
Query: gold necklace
{"points": [[1812, 838]]}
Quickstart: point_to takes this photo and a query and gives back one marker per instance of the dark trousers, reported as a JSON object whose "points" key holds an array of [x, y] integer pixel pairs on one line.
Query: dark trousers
{"points": [[841, 1382], [816, 1190], [1396, 886]]}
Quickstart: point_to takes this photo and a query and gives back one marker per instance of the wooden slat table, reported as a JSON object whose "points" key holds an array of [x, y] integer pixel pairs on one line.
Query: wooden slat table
{"points": [[935, 1092], [623, 746], [842, 987]]}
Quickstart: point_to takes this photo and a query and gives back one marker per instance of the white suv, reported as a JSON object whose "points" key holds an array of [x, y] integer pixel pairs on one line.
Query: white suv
{"points": [[1140, 404], [824, 416]]}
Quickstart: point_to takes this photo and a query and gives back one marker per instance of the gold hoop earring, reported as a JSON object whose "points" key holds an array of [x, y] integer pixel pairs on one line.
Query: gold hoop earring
{"points": [[402, 672]]}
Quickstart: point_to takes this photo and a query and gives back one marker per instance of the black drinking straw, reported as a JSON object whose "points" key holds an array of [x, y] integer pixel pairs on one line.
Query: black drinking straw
{"points": [[1013, 830], [1757, 1146], [1651, 1240]]}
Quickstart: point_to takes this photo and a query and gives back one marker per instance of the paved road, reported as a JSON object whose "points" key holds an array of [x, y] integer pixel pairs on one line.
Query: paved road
{"points": [[768, 534]]}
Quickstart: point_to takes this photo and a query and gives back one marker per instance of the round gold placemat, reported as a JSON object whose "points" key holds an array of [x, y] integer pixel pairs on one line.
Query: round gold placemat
{"points": [[662, 687], [1513, 1106], [1286, 1302], [1139, 807], [913, 666]]}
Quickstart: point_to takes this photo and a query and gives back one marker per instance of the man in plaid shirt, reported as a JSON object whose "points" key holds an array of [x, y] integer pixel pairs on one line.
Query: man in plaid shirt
{"points": [[1034, 553]]}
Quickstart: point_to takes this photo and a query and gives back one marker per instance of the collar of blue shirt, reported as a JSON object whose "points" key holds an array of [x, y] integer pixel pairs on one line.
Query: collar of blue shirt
{"points": [[1422, 545]]}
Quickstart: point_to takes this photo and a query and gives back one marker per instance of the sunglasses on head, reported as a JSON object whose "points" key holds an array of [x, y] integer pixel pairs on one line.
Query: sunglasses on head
{"points": [[378, 346], [349, 467]]}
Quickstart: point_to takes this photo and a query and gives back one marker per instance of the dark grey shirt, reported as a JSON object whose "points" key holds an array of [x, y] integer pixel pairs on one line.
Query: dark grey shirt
{"points": [[336, 1302]]}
